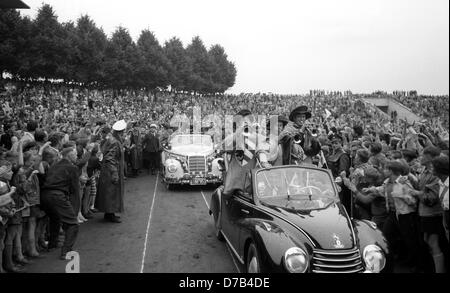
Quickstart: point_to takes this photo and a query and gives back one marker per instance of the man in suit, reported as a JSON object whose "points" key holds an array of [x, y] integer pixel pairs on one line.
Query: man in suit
{"points": [[152, 146], [60, 199]]}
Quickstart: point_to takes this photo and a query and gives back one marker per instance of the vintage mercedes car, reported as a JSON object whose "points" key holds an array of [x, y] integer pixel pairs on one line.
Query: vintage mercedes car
{"points": [[290, 219], [191, 159]]}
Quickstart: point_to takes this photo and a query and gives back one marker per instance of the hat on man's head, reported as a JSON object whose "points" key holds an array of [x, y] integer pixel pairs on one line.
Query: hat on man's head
{"points": [[300, 110], [154, 126], [119, 125], [283, 119]]}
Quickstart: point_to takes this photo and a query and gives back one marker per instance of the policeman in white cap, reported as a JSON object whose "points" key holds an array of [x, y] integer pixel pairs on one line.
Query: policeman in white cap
{"points": [[111, 181]]}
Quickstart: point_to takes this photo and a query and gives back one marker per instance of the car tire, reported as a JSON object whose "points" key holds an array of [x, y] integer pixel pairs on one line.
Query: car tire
{"points": [[169, 186], [253, 261]]}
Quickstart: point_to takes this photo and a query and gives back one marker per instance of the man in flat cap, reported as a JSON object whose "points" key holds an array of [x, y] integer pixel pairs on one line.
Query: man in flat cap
{"points": [[109, 199]]}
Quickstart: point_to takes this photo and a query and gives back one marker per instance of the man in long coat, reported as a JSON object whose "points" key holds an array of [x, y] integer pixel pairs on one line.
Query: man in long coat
{"points": [[109, 199], [135, 150]]}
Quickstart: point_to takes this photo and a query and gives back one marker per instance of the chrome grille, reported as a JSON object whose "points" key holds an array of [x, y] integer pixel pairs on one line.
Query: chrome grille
{"points": [[337, 261], [197, 164]]}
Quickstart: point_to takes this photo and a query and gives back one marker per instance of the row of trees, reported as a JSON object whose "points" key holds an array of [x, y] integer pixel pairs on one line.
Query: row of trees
{"points": [[81, 52]]}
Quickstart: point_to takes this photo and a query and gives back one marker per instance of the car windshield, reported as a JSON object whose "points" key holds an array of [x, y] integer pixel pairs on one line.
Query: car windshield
{"points": [[179, 140], [300, 188]]}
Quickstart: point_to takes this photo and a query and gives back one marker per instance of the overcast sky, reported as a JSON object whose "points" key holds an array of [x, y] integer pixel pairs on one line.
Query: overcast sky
{"points": [[292, 46]]}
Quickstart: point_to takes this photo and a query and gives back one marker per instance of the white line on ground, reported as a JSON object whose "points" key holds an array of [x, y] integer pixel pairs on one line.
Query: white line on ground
{"points": [[229, 251], [232, 257], [204, 199], [148, 224]]}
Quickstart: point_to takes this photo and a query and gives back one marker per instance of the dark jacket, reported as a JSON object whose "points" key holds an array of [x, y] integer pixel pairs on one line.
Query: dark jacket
{"points": [[339, 162], [63, 178], [5, 141], [151, 143]]}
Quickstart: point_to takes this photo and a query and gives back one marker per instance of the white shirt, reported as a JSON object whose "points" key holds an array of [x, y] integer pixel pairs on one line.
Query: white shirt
{"points": [[442, 186]]}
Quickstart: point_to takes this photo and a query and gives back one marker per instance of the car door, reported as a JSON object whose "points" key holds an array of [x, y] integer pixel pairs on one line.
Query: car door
{"points": [[235, 209]]}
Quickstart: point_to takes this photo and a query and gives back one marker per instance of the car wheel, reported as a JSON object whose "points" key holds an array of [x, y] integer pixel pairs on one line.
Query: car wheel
{"points": [[253, 261]]}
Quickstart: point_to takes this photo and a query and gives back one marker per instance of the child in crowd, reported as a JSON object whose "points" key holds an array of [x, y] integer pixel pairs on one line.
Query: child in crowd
{"points": [[27, 184]]}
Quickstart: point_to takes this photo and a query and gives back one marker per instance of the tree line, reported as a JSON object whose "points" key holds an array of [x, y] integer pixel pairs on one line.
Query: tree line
{"points": [[81, 52]]}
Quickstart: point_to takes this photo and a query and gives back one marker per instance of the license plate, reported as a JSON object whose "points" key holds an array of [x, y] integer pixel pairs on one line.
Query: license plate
{"points": [[198, 181]]}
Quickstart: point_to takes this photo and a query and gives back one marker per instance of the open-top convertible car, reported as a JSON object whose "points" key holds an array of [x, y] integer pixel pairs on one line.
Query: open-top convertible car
{"points": [[290, 219], [191, 159]]}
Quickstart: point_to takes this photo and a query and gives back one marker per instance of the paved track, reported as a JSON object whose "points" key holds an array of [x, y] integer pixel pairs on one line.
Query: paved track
{"points": [[162, 232]]}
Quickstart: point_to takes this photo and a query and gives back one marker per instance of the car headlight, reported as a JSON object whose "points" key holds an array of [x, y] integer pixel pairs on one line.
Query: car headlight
{"points": [[374, 258], [172, 168], [295, 260]]}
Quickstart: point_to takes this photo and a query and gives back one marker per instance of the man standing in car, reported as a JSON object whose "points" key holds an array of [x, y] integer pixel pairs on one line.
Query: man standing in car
{"points": [[248, 147], [296, 130]]}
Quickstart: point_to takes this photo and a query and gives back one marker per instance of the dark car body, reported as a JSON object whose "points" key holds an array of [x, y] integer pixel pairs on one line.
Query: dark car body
{"points": [[332, 240]]}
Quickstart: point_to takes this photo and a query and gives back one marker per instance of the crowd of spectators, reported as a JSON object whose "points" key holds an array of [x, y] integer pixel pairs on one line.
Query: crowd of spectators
{"points": [[396, 171], [428, 107]]}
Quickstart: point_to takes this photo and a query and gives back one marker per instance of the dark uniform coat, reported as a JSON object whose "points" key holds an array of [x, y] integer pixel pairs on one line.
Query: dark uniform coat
{"points": [[110, 196]]}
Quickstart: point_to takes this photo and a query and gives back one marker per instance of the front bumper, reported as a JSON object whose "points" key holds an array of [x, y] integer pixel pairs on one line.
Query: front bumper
{"points": [[187, 179]]}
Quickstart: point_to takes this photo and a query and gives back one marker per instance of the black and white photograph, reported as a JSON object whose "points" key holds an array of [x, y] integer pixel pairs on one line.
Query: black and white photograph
{"points": [[204, 138]]}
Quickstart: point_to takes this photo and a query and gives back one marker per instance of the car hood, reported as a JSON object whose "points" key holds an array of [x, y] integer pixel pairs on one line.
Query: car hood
{"points": [[192, 150], [329, 227]]}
